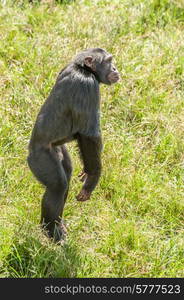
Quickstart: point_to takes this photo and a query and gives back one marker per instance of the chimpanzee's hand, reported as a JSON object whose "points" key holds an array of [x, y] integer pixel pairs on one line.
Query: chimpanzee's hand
{"points": [[83, 195]]}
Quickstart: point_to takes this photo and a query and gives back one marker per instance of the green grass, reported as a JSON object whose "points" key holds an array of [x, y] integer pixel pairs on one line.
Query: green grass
{"points": [[133, 226]]}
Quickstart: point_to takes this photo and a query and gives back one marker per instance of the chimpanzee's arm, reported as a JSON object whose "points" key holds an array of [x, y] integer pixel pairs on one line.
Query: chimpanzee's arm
{"points": [[90, 150]]}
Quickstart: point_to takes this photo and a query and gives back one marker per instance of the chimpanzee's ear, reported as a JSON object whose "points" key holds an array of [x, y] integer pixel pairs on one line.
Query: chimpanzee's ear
{"points": [[88, 61]]}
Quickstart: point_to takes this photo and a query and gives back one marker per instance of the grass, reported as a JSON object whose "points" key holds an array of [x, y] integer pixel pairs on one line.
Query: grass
{"points": [[134, 224]]}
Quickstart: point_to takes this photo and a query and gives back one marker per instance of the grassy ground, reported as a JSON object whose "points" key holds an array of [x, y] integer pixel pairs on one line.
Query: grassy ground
{"points": [[134, 224]]}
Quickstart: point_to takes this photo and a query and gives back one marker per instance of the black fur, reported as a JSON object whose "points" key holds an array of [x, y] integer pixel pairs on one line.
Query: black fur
{"points": [[72, 111]]}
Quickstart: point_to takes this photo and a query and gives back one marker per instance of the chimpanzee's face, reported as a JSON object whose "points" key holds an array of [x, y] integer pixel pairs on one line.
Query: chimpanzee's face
{"points": [[106, 71], [100, 63]]}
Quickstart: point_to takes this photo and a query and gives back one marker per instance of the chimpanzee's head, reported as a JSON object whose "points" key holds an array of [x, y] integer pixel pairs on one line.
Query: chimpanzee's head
{"points": [[100, 63]]}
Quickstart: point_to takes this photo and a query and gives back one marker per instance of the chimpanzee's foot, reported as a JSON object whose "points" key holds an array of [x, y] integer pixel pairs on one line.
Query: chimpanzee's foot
{"points": [[60, 232], [56, 232]]}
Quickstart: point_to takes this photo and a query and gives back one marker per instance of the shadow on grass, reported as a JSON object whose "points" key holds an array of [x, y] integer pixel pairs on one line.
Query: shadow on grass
{"points": [[31, 258]]}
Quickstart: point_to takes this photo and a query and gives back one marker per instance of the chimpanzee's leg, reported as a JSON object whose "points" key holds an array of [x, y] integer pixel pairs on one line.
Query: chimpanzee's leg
{"points": [[67, 165], [46, 166], [65, 160]]}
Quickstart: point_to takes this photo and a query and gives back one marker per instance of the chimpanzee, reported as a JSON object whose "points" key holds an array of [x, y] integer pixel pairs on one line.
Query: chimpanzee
{"points": [[71, 112]]}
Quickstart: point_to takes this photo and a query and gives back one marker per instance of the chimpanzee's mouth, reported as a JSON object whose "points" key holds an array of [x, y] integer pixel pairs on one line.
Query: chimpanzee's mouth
{"points": [[114, 77]]}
